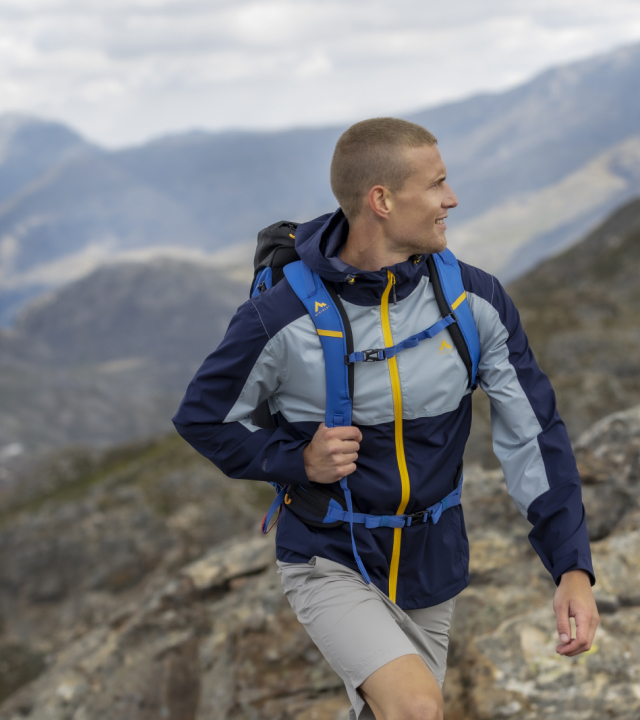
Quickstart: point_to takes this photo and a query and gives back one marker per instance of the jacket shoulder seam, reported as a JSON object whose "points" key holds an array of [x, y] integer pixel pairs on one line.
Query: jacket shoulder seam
{"points": [[261, 320]]}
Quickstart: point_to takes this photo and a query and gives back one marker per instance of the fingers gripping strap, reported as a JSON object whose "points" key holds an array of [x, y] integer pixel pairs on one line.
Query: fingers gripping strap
{"points": [[454, 292], [308, 286]]}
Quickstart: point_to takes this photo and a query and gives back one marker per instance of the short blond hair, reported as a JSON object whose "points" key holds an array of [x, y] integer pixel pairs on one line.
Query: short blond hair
{"points": [[367, 154]]}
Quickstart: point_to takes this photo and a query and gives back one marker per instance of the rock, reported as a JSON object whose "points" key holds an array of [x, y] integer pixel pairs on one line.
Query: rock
{"points": [[617, 567], [608, 456], [515, 671], [610, 451], [231, 560], [193, 656]]}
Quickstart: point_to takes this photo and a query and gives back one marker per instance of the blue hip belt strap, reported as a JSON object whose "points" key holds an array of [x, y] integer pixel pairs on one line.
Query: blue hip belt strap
{"points": [[335, 512]]}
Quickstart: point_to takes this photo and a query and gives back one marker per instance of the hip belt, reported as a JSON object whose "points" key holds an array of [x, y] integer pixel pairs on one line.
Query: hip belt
{"points": [[319, 506]]}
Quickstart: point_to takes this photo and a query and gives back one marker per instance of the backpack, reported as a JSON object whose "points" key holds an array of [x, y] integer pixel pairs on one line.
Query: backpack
{"points": [[320, 505]]}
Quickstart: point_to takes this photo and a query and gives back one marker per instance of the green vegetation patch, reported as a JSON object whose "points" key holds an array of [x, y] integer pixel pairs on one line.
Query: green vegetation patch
{"points": [[19, 665]]}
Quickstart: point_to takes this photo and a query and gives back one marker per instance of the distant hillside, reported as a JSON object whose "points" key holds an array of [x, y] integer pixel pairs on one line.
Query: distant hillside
{"points": [[108, 358], [30, 147], [581, 312], [511, 238], [507, 154]]}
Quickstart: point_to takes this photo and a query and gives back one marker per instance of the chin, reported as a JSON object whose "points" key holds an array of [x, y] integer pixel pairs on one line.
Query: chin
{"points": [[434, 246]]}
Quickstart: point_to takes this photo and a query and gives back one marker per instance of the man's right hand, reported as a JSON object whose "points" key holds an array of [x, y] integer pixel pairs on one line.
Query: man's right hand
{"points": [[332, 453]]}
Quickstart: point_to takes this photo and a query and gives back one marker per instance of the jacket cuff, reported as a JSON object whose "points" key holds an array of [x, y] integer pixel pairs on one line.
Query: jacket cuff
{"points": [[291, 469], [573, 561]]}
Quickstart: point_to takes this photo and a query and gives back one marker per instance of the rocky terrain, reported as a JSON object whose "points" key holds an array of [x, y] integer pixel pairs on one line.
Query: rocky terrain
{"points": [[135, 585]]}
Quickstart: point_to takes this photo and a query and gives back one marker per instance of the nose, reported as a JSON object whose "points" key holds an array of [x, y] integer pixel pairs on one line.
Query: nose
{"points": [[450, 200]]}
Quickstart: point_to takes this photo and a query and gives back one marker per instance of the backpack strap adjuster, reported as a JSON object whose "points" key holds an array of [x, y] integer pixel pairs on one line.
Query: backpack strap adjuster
{"points": [[420, 516], [374, 355]]}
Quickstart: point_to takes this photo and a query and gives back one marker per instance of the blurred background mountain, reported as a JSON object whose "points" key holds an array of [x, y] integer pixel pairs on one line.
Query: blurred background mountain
{"points": [[534, 168]]}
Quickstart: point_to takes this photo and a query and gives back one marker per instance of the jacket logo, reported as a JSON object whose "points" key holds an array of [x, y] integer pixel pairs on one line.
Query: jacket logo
{"points": [[320, 307], [445, 348]]}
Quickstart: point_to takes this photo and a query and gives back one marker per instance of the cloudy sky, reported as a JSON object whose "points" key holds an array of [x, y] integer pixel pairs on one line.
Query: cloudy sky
{"points": [[122, 71]]}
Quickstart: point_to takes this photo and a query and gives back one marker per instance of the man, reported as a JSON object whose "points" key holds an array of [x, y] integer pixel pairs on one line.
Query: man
{"points": [[411, 418]]}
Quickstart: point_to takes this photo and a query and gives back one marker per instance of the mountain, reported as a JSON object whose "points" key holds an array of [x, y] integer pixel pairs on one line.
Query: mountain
{"points": [[525, 230], [108, 358], [581, 312], [517, 160], [29, 150], [502, 145], [30, 147]]}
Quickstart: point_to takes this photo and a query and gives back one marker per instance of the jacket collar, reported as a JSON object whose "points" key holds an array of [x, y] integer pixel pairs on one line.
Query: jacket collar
{"points": [[318, 243]]}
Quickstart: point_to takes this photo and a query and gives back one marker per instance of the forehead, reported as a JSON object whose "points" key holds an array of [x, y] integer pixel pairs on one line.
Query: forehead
{"points": [[426, 162]]}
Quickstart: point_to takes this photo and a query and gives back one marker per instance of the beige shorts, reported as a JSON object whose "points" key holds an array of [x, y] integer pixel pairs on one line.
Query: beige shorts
{"points": [[358, 629]]}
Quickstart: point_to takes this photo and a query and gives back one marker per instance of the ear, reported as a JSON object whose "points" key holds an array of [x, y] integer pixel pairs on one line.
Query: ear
{"points": [[379, 199]]}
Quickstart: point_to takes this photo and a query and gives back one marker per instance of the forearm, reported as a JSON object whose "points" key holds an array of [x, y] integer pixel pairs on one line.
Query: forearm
{"points": [[268, 455], [559, 533]]}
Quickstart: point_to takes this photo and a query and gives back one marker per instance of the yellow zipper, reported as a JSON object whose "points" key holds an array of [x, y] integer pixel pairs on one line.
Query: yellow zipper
{"points": [[397, 412]]}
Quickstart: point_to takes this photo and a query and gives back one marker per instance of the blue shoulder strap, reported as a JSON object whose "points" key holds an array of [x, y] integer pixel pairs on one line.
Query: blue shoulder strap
{"points": [[456, 296], [308, 286]]}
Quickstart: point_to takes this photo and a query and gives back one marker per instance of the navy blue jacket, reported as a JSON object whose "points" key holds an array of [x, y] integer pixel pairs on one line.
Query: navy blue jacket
{"points": [[413, 439]]}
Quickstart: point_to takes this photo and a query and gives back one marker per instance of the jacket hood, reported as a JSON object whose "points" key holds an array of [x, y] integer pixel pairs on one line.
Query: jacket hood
{"points": [[318, 243]]}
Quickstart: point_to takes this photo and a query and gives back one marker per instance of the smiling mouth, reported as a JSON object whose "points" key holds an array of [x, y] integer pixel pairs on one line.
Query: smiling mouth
{"points": [[440, 221]]}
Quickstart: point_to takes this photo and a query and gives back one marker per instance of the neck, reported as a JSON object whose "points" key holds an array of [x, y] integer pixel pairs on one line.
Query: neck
{"points": [[367, 248]]}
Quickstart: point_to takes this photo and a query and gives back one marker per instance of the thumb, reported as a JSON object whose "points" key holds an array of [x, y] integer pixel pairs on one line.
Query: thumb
{"points": [[563, 624]]}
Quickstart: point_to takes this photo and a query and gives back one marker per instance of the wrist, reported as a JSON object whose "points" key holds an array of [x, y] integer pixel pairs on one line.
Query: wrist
{"points": [[579, 576], [306, 460]]}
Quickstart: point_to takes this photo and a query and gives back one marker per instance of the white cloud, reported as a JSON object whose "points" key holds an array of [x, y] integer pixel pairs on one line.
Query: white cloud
{"points": [[124, 70]]}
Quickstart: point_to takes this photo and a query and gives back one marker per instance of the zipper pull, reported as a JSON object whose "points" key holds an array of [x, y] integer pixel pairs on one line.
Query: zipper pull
{"points": [[393, 287]]}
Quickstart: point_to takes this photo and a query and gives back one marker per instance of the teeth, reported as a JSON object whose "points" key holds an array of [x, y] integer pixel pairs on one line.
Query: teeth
{"points": [[440, 222]]}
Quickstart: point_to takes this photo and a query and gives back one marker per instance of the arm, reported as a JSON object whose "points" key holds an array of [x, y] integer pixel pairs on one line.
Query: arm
{"points": [[231, 383], [533, 447]]}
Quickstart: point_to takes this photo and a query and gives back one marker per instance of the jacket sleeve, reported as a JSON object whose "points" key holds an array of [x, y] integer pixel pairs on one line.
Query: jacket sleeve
{"points": [[529, 438], [213, 417]]}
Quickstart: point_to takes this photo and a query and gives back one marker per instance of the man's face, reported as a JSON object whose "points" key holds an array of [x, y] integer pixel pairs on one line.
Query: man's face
{"points": [[416, 221]]}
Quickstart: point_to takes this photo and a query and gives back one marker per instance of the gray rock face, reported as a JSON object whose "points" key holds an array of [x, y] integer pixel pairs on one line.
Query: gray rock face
{"points": [[177, 619]]}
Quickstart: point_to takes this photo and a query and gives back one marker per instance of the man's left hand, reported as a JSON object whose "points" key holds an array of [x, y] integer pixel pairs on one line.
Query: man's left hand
{"points": [[574, 599]]}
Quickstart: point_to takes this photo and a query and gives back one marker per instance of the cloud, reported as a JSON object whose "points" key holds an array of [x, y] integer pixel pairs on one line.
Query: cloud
{"points": [[125, 70]]}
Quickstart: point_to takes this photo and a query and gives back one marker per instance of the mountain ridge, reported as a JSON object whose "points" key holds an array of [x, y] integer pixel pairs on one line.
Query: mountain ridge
{"points": [[210, 190]]}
